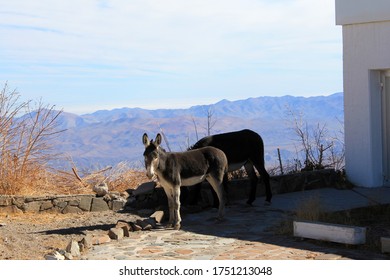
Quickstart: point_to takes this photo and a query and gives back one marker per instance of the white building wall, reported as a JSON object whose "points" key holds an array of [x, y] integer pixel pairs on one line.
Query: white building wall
{"points": [[366, 48], [361, 11]]}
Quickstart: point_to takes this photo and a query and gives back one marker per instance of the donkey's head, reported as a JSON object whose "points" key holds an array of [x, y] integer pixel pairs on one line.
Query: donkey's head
{"points": [[151, 155]]}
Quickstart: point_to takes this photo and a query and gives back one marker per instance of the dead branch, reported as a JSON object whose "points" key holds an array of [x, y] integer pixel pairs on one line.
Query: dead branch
{"points": [[78, 177]]}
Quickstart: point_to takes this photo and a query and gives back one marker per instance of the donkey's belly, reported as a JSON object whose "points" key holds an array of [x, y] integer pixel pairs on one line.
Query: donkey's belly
{"points": [[236, 165], [192, 180]]}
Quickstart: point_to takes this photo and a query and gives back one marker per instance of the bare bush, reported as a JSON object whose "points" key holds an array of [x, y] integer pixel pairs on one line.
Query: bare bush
{"points": [[26, 132], [319, 150], [211, 121]]}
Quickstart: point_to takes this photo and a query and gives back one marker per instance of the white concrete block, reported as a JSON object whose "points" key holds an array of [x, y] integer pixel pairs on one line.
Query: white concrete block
{"points": [[385, 244], [330, 232]]}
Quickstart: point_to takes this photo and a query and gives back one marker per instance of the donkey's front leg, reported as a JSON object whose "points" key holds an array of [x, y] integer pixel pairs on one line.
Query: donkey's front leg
{"points": [[176, 207], [169, 193]]}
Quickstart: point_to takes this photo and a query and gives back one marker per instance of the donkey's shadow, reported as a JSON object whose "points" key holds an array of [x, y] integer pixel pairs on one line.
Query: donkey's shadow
{"points": [[241, 221], [78, 230]]}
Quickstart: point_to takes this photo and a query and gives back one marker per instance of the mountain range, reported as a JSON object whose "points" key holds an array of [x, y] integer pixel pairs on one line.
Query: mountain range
{"points": [[107, 137]]}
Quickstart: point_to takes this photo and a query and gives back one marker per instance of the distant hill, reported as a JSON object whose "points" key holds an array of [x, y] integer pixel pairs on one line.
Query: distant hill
{"points": [[107, 137]]}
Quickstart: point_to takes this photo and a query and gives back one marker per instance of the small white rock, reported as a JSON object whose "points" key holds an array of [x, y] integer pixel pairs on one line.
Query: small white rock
{"points": [[56, 256], [101, 189], [73, 248]]}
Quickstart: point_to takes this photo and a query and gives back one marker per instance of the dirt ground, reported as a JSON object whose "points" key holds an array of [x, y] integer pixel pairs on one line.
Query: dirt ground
{"points": [[32, 236]]}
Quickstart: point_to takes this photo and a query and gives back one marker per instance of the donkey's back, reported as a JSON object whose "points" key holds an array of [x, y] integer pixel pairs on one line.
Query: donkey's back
{"points": [[207, 161], [242, 148], [238, 145]]}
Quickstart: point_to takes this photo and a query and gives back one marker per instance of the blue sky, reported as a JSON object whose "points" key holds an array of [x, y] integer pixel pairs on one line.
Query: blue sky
{"points": [[88, 55]]}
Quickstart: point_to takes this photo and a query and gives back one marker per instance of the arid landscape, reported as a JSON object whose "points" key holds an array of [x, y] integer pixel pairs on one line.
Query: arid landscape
{"points": [[108, 137], [49, 152]]}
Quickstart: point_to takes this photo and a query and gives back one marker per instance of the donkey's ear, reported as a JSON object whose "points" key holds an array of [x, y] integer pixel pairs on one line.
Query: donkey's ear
{"points": [[145, 140], [158, 139]]}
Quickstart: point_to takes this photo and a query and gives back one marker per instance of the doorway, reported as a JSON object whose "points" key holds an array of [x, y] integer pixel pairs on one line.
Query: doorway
{"points": [[385, 95]]}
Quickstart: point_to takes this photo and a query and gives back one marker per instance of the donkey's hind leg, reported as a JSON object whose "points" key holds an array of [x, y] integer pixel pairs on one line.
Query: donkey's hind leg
{"points": [[265, 177], [253, 181], [218, 188]]}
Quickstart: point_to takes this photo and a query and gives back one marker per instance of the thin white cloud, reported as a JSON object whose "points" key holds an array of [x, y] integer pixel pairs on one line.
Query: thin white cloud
{"points": [[184, 41]]}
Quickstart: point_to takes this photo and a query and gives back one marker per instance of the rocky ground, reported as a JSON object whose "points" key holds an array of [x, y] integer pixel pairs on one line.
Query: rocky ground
{"points": [[29, 236], [32, 236]]}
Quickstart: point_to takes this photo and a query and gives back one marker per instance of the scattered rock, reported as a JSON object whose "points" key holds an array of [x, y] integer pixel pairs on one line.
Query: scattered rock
{"points": [[116, 233], [125, 195], [135, 227], [158, 216], [107, 198], [73, 248], [151, 221], [86, 243], [144, 225], [115, 195], [100, 189], [55, 256], [125, 226], [122, 229], [68, 256], [100, 239]]}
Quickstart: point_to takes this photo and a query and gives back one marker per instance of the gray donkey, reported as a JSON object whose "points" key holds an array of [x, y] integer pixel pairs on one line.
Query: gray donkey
{"points": [[173, 170]]}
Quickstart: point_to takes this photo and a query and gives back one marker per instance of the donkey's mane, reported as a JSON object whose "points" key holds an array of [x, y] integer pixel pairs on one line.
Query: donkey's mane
{"points": [[201, 143]]}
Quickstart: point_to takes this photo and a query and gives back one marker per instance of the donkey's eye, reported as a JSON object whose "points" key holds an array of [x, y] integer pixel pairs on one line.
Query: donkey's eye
{"points": [[153, 154]]}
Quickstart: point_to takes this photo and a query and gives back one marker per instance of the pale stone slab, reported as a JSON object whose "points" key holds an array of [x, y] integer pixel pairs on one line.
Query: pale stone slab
{"points": [[330, 232], [385, 241]]}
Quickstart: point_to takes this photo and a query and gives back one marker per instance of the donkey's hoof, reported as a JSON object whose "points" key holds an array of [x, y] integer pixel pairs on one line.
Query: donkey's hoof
{"points": [[267, 203], [177, 227], [169, 226], [249, 203]]}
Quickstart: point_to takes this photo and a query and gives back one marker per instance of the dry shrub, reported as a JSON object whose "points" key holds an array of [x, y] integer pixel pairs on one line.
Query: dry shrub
{"points": [[122, 177], [26, 133], [310, 209], [38, 181], [119, 178]]}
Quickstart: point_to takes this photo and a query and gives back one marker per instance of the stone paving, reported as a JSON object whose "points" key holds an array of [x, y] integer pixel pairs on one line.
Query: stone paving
{"points": [[247, 233]]}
